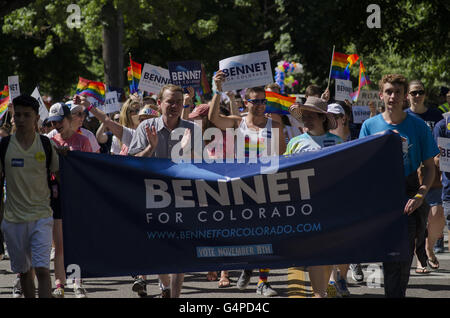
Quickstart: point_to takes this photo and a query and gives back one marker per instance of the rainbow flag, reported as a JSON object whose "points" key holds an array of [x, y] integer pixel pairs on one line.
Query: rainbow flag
{"points": [[4, 94], [134, 75], [4, 101], [206, 89], [363, 80], [278, 104], [339, 65], [352, 59], [91, 88]]}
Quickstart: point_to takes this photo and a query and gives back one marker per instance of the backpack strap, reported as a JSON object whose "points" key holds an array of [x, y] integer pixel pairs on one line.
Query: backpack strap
{"points": [[48, 151], [3, 147]]}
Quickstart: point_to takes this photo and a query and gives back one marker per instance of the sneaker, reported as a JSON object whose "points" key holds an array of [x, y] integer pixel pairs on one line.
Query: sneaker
{"points": [[244, 279], [165, 293], [140, 287], [264, 289], [332, 291], [58, 292], [79, 292], [17, 289], [439, 246], [341, 286], [357, 273]]}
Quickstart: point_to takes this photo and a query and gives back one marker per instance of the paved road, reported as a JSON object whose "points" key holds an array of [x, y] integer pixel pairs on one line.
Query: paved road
{"points": [[288, 282]]}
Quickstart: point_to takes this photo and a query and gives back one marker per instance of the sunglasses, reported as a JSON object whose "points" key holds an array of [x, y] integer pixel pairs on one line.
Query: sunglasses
{"points": [[116, 119], [257, 101], [416, 93]]}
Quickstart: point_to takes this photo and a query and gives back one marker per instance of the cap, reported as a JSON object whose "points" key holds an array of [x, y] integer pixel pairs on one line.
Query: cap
{"points": [[148, 112], [200, 110], [58, 112], [336, 109], [74, 108]]}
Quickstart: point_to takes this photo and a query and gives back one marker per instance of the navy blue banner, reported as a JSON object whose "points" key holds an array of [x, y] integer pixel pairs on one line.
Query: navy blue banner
{"points": [[186, 73], [126, 215]]}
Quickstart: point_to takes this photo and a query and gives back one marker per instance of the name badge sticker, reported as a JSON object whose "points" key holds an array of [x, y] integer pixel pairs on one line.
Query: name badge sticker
{"points": [[17, 163]]}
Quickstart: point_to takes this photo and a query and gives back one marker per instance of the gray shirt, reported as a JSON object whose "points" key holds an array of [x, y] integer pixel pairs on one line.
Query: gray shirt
{"points": [[167, 139]]}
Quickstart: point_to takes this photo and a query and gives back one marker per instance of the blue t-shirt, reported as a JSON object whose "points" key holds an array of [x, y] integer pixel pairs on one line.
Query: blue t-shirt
{"points": [[419, 144], [431, 116], [441, 130]]}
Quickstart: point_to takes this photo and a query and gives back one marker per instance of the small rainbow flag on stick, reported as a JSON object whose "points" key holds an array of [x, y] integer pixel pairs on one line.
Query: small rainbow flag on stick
{"points": [[278, 104], [134, 75], [339, 66], [91, 88], [363, 80], [4, 101], [205, 85], [4, 94]]}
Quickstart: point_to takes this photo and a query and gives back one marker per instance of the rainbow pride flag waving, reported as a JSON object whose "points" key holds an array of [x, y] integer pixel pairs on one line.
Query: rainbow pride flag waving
{"points": [[134, 75], [339, 66], [4, 101], [91, 88], [363, 80], [278, 104]]}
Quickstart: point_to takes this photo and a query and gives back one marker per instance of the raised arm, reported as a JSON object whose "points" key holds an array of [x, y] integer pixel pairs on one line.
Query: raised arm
{"points": [[220, 122], [188, 99], [114, 127], [100, 134]]}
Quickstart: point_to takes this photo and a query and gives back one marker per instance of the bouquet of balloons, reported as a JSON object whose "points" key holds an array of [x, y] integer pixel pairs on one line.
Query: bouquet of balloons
{"points": [[284, 74]]}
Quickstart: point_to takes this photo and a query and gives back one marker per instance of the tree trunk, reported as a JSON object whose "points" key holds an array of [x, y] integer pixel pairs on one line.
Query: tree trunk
{"points": [[112, 45]]}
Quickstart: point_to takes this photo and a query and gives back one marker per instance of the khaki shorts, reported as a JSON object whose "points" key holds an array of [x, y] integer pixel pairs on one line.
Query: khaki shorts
{"points": [[29, 244]]}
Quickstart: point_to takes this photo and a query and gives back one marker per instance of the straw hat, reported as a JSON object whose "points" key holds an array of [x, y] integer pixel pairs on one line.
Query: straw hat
{"points": [[314, 104]]}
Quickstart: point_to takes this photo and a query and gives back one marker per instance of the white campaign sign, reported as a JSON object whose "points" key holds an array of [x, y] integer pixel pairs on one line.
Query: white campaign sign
{"points": [[111, 102], [43, 112], [343, 89], [360, 114], [366, 96], [444, 159], [14, 88], [153, 78], [248, 70]]}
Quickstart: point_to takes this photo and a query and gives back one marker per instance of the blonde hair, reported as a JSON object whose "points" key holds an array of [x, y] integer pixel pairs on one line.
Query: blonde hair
{"points": [[125, 117]]}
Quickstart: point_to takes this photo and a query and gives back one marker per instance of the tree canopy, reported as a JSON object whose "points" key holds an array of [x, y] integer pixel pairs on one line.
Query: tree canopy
{"points": [[40, 46]]}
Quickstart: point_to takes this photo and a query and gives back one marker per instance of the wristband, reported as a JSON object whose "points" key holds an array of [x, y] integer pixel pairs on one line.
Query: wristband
{"points": [[418, 196], [90, 107], [186, 106]]}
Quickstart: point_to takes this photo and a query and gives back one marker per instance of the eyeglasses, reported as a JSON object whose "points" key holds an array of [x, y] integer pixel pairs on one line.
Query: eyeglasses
{"points": [[416, 93], [257, 101], [134, 111]]}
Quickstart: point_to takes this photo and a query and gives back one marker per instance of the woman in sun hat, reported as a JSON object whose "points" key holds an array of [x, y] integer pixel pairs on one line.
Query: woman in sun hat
{"points": [[318, 121]]}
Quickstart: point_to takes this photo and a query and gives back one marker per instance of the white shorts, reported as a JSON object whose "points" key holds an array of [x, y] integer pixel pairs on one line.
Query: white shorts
{"points": [[29, 244]]}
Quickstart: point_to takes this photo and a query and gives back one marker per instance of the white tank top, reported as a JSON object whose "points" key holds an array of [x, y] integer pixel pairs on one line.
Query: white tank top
{"points": [[253, 143]]}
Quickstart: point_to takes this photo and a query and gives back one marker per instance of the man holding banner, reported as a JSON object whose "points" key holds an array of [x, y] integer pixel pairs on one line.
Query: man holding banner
{"points": [[156, 137], [418, 147]]}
